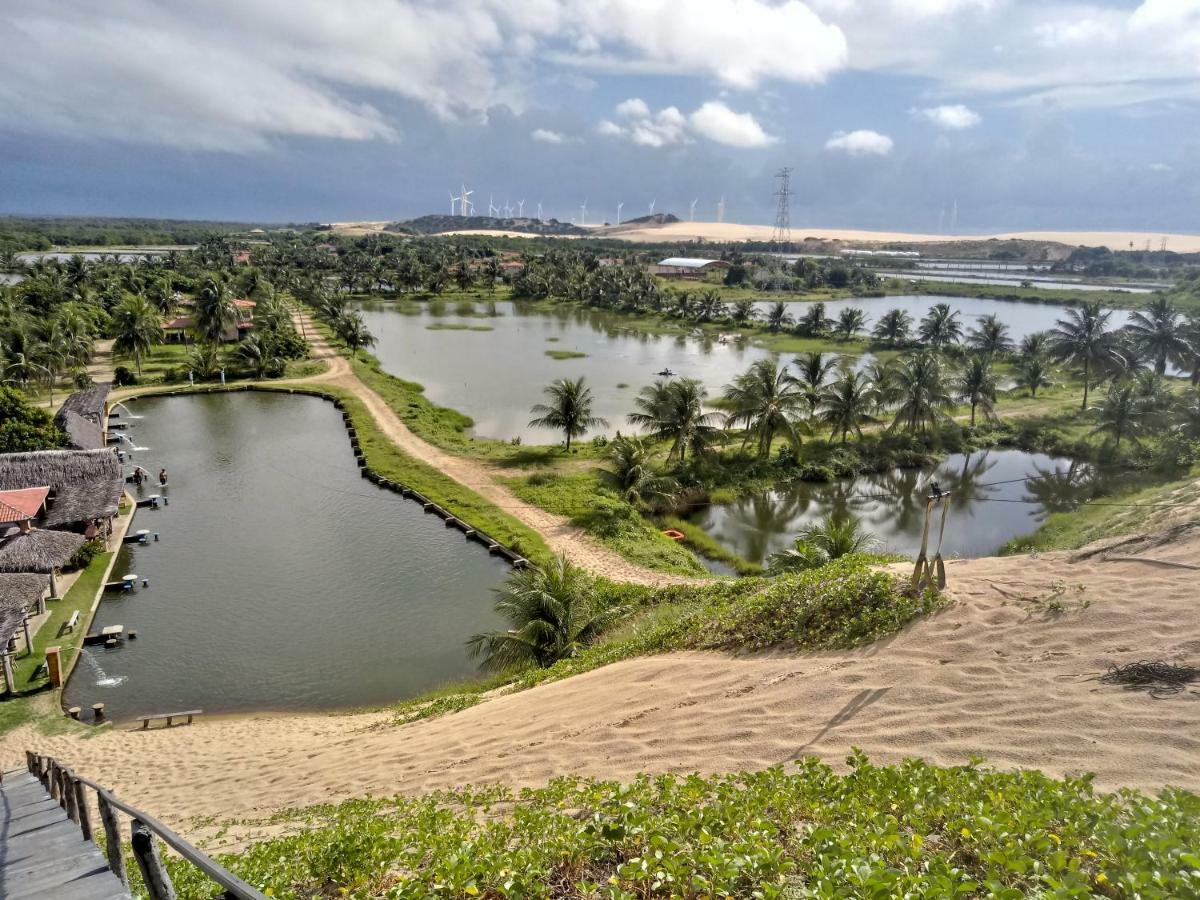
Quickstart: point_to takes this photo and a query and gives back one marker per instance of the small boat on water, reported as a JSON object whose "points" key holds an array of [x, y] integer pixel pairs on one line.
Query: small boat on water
{"points": [[665, 373]]}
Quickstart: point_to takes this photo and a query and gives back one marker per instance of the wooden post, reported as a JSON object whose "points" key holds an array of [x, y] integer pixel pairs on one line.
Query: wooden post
{"points": [[112, 839], [68, 791], [54, 666], [28, 637], [154, 874], [83, 815], [52, 775], [10, 684]]}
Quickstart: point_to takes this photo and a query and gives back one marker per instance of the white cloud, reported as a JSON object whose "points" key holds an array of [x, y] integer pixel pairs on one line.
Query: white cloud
{"points": [[717, 122], [669, 127], [863, 142], [953, 117], [546, 136]]}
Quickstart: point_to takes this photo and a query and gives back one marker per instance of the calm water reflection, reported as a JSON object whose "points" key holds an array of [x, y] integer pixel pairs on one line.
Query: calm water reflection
{"points": [[283, 580], [991, 502]]}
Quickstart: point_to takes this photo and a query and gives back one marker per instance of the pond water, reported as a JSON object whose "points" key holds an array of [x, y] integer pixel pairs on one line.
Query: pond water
{"points": [[490, 360], [996, 495], [282, 580], [1013, 281]]}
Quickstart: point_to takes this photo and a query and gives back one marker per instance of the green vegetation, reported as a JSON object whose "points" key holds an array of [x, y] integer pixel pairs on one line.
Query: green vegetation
{"points": [[458, 326], [910, 830], [25, 428], [565, 354], [50, 232], [822, 542], [569, 409]]}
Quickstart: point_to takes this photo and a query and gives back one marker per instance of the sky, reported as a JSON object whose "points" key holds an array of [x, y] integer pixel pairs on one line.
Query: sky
{"points": [[925, 115]]}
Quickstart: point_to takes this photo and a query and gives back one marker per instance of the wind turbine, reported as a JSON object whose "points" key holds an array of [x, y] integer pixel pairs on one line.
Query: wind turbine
{"points": [[619, 205], [583, 213], [721, 209], [520, 209], [692, 214], [493, 209], [652, 202], [507, 210], [465, 206], [540, 218], [453, 200]]}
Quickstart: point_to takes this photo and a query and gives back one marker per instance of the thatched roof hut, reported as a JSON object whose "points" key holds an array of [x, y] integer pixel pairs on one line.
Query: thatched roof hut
{"points": [[39, 550], [82, 417], [17, 594], [84, 484]]}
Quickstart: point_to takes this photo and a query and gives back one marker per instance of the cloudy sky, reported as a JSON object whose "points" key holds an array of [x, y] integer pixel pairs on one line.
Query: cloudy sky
{"points": [[1046, 114]]}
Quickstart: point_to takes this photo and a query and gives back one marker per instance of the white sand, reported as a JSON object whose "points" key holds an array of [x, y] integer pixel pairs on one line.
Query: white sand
{"points": [[995, 675]]}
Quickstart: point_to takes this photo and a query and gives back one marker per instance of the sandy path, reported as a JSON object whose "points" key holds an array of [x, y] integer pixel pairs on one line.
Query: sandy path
{"points": [[994, 675], [557, 531]]}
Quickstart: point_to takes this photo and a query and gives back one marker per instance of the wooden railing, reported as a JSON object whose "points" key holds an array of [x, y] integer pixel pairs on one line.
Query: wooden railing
{"points": [[70, 791]]}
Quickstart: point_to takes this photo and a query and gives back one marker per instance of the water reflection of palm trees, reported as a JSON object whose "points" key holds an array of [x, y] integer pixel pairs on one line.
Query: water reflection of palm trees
{"points": [[1062, 491]]}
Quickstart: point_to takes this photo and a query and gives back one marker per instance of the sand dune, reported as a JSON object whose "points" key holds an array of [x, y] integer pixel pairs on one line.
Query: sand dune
{"points": [[999, 674]]}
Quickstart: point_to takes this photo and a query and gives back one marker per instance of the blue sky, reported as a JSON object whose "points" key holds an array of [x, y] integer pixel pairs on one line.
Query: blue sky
{"points": [[1028, 115]]}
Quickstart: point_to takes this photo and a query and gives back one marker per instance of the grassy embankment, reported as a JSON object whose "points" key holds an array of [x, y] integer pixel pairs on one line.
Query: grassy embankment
{"points": [[909, 830], [35, 702]]}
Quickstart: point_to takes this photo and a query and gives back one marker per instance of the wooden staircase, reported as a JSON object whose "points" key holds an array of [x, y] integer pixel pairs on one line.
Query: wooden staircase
{"points": [[43, 854]]}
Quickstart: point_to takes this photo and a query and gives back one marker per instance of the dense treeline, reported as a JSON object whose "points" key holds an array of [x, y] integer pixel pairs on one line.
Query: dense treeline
{"points": [[46, 233]]}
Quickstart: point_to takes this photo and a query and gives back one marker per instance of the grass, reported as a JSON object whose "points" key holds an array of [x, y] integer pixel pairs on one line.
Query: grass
{"points": [[613, 522], [457, 326], [909, 830], [709, 547], [565, 354], [20, 709]]}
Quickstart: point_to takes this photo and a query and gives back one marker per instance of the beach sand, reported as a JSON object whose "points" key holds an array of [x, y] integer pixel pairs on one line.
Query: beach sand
{"points": [[1000, 674]]}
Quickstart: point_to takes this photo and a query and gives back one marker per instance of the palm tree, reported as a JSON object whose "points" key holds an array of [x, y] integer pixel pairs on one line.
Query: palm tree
{"points": [[778, 317], [204, 360], [1122, 413], [632, 474], [1033, 372], [893, 328], [743, 311], [352, 329], [552, 615], [831, 538], [990, 336], [920, 393], [1158, 332], [258, 354], [768, 401], [1083, 339], [850, 322], [215, 310], [1036, 343], [814, 321], [569, 409], [848, 404], [940, 328], [674, 411], [814, 369], [976, 385], [136, 328]]}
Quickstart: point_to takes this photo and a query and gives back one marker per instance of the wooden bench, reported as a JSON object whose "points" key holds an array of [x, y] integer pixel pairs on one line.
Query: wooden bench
{"points": [[72, 622], [170, 717]]}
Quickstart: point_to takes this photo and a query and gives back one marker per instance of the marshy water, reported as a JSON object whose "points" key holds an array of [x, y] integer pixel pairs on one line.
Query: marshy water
{"points": [[493, 360], [996, 495], [282, 580]]}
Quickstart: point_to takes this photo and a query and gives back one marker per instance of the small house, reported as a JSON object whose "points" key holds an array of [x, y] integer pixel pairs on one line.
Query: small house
{"points": [[84, 418], [83, 489], [687, 267]]}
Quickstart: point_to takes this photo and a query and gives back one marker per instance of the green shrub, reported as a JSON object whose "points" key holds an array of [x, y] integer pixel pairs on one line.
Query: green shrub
{"points": [[84, 555], [123, 375], [910, 830]]}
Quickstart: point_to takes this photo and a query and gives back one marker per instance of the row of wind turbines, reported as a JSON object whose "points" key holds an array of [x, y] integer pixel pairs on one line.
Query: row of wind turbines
{"points": [[462, 205]]}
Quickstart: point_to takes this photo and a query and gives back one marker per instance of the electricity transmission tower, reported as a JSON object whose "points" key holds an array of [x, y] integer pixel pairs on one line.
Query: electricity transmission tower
{"points": [[782, 234]]}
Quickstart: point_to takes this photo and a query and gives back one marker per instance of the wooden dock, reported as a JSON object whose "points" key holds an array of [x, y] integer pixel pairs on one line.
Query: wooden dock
{"points": [[43, 853]]}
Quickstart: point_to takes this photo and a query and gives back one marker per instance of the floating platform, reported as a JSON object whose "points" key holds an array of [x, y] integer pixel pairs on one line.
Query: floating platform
{"points": [[106, 634]]}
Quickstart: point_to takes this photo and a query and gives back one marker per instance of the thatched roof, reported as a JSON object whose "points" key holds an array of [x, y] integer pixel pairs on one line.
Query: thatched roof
{"points": [[88, 403], [82, 433], [85, 484], [39, 550], [17, 594]]}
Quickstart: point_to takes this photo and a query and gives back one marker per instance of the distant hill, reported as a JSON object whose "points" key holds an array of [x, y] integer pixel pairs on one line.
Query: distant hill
{"points": [[439, 224], [653, 219]]}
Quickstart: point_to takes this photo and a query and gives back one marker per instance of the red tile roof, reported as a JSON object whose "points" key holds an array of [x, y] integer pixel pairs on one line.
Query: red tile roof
{"points": [[19, 505], [245, 304], [181, 322]]}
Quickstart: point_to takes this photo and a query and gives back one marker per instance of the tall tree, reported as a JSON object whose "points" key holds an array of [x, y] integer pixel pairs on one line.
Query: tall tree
{"points": [[940, 328], [1158, 331], [849, 323], [632, 472], [813, 370], [674, 411], [569, 409], [215, 311], [1122, 413], [1082, 339], [136, 328], [778, 317], [767, 400], [975, 384], [1033, 373], [990, 336], [894, 328], [848, 404], [919, 390]]}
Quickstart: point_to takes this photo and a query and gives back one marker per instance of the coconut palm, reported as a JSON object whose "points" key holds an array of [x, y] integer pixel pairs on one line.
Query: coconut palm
{"points": [[1158, 332], [1083, 339], [918, 389], [259, 354], [813, 370], [1036, 343], [1033, 373], [743, 311], [940, 328], [136, 328], [352, 330], [569, 409], [831, 538], [552, 615], [894, 328], [778, 317], [976, 385], [849, 323], [814, 322], [215, 311], [674, 411], [990, 336], [1122, 413], [632, 474], [848, 404], [768, 401]]}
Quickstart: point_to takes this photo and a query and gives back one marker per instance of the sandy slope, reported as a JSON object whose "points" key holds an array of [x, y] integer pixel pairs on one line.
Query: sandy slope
{"points": [[996, 675]]}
